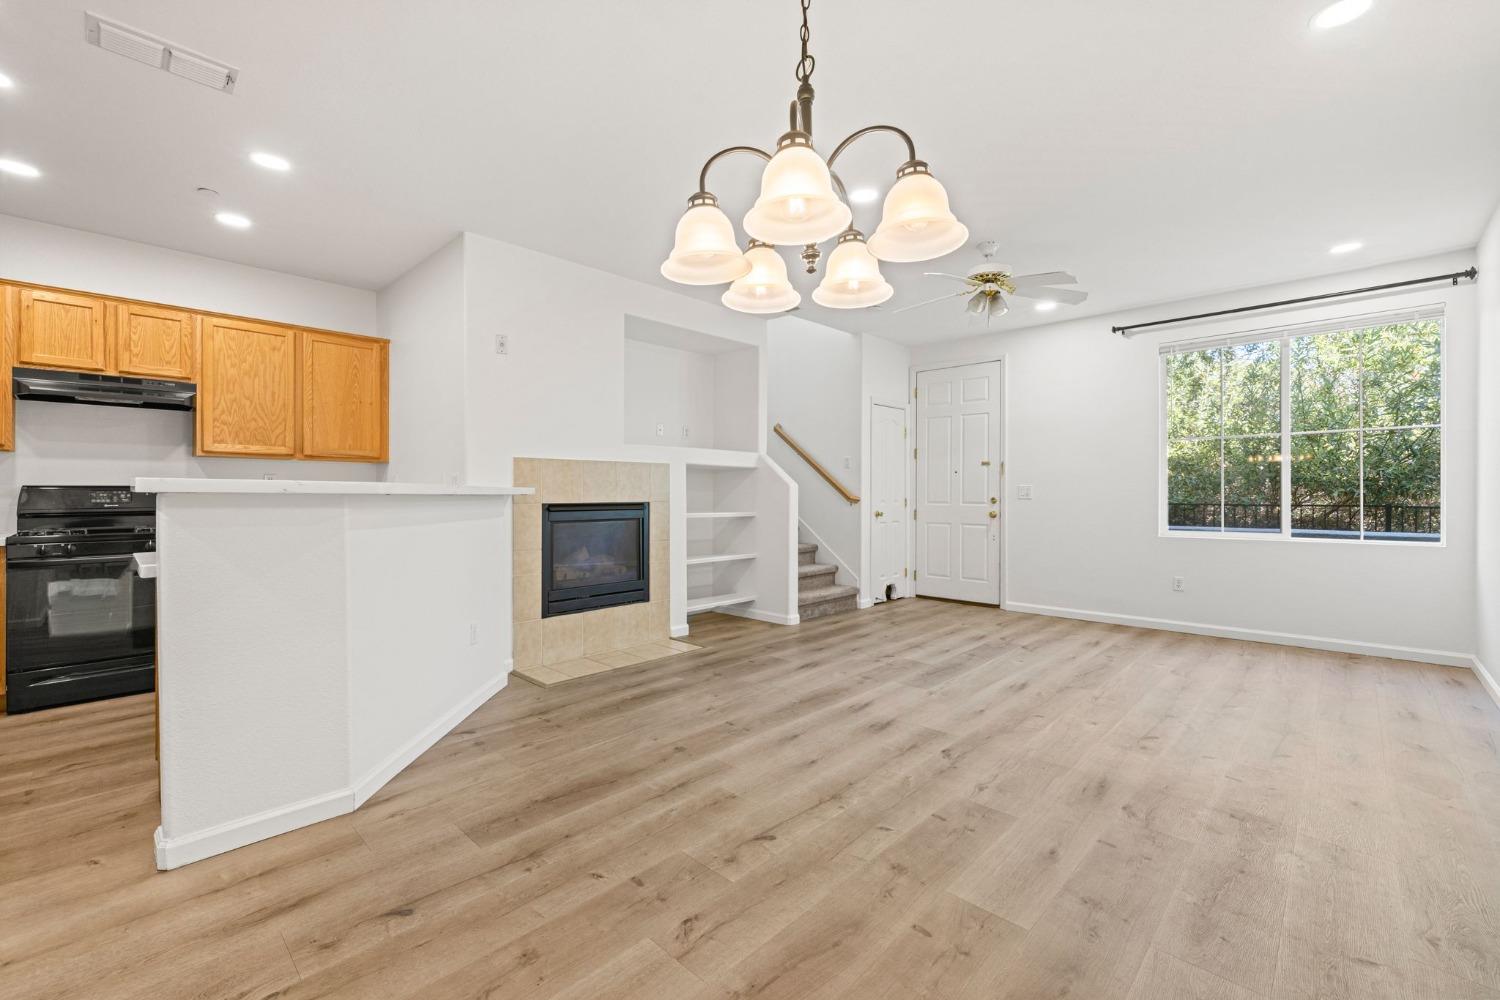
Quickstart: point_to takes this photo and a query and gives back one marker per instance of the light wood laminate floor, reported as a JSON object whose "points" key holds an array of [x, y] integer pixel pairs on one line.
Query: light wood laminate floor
{"points": [[924, 800]]}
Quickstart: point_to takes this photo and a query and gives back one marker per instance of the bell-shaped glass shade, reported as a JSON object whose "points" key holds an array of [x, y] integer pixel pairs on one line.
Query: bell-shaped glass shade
{"points": [[853, 279], [705, 252], [796, 204], [917, 223], [765, 289]]}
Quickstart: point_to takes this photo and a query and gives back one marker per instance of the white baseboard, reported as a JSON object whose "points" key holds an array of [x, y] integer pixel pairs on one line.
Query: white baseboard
{"points": [[1439, 656], [423, 741], [238, 833], [756, 614], [1486, 678], [865, 602], [678, 631], [248, 830]]}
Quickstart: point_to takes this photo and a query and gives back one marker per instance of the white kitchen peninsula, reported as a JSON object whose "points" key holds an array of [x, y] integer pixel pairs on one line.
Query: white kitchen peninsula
{"points": [[314, 639]]}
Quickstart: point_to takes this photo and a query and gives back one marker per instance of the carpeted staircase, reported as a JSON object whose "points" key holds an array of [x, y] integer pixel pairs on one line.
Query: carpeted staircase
{"points": [[817, 595]]}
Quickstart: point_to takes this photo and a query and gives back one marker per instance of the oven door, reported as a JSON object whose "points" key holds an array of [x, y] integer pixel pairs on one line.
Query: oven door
{"points": [[77, 628]]}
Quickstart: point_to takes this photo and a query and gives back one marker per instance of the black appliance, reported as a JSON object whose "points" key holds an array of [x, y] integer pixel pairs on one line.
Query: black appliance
{"points": [[103, 390], [80, 621], [594, 555]]}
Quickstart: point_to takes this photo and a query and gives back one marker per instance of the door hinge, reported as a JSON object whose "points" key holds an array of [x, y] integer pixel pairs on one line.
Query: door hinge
{"points": [[913, 515], [903, 573], [913, 393], [914, 454], [913, 574]]}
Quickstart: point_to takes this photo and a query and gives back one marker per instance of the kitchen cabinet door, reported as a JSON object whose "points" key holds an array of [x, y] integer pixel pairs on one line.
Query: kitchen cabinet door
{"points": [[344, 405], [247, 404], [154, 342], [61, 330]]}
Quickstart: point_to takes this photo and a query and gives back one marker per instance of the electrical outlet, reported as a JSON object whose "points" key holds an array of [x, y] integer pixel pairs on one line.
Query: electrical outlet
{"points": [[502, 344], [661, 430], [268, 475], [473, 635], [1177, 584], [848, 462], [1023, 492], [685, 432]]}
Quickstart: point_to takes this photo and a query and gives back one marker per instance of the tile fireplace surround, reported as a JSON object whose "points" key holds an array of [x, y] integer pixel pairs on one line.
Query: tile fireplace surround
{"points": [[563, 647]]}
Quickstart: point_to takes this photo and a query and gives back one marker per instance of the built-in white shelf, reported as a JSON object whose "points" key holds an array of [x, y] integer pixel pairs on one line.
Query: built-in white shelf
{"points": [[722, 558], [697, 604], [720, 514], [720, 458]]}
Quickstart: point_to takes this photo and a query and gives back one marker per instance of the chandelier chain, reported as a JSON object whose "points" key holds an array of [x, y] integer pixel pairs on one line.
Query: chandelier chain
{"points": [[806, 64]]}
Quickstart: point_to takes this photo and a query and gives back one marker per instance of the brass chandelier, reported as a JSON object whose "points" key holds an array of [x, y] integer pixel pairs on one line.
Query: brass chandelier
{"points": [[803, 203]]}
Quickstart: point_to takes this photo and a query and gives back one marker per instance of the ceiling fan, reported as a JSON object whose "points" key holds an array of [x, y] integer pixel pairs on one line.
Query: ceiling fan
{"points": [[987, 284]]}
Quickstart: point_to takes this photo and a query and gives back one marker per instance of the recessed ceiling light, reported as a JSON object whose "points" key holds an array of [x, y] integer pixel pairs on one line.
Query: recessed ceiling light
{"points": [[863, 196], [271, 161], [1046, 306], [1341, 13], [1349, 247], [6, 82], [19, 169], [233, 220]]}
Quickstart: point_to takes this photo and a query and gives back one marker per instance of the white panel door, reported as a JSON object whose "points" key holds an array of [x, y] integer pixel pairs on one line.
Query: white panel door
{"points": [[888, 510], [958, 483]]}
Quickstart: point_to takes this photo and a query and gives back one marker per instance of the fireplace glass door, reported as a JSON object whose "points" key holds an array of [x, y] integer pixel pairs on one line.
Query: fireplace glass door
{"points": [[594, 556]]}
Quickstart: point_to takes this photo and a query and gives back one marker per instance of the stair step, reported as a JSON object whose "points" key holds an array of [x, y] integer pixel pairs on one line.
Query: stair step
{"points": [[820, 602], [807, 553], [814, 576]]}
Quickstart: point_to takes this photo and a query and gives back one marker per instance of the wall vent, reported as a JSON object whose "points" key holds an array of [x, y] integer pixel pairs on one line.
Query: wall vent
{"points": [[132, 43]]}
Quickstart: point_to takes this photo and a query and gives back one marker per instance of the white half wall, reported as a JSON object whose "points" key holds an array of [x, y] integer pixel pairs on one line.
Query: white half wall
{"points": [[311, 646], [1082, 428], [1487, 593]]}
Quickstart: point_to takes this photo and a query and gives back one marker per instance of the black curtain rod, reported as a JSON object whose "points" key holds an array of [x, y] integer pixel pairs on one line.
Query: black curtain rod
{"points": [[1471, 274]]}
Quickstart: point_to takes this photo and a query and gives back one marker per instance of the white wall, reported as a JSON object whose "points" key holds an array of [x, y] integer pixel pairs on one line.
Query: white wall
{"points": [[671, 389], [559, 393], [1082, 427], [813, 391], [422, 315], [1488, 500], [66, 443]]}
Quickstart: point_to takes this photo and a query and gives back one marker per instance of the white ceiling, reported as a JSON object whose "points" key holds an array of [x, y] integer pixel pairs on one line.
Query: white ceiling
{"points": [[1159, 149]]}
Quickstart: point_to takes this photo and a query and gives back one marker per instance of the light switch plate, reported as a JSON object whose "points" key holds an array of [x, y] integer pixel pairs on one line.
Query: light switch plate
{"points": [[1024, 492]]}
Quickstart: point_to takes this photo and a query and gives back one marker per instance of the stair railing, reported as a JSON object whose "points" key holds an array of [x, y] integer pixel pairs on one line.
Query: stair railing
{"points": [[816, 465]]}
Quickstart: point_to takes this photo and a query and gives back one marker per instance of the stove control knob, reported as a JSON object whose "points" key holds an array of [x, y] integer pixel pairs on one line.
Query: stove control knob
{"points": [[68, 548]]}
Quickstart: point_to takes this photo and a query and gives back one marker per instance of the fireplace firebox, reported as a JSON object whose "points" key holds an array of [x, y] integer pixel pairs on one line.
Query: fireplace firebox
{"points": [[594, 555]]}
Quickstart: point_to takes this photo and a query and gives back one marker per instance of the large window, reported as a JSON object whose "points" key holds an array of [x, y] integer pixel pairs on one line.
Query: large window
{"points": [[1332, 431]]}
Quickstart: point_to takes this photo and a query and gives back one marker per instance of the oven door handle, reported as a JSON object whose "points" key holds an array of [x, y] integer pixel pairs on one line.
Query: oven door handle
{"points": [[86, 674], [112, 557]]}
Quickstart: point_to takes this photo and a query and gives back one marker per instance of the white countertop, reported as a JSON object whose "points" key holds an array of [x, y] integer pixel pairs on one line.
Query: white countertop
{"points": [[313, 487]]}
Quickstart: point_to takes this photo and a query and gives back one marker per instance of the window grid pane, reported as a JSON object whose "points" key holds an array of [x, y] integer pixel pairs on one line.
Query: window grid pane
{"points": [[1360, 416]]}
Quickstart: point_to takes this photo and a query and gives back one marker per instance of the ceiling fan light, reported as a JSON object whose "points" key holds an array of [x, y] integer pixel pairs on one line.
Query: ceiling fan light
{"points": [[852, 279], [705, 251], [797, 204], [916, 223], [765, 289]]}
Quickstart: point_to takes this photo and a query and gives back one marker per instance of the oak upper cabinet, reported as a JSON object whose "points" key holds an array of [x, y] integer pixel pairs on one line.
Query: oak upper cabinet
{"points": [[344, 397], [62, 330], [247, 378], [153, 341], [10, 318]]}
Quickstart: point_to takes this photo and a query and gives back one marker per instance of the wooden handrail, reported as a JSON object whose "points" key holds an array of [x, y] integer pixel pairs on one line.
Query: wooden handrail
{"points": [[817, 466]]}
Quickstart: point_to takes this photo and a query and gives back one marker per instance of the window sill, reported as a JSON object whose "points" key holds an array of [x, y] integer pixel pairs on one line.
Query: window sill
{"points": [[1235, 536]]}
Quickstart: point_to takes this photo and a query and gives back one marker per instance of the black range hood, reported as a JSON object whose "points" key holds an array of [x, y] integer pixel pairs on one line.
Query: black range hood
{"points": [[102, 390]]}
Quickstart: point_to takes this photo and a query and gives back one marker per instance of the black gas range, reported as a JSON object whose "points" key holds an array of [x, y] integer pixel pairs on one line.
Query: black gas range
{"points": [[80, 620]]}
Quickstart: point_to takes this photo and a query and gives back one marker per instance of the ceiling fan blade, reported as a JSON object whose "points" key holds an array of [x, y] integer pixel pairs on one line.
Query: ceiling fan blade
{"points": [[1069, 296], [1044, 278], [941, 274], [940, 298]]}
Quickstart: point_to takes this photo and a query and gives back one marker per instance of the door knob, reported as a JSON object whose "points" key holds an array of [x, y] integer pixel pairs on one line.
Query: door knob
{"points": [[994, 499], [880, 513], [994, 514]]}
